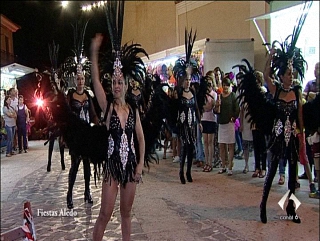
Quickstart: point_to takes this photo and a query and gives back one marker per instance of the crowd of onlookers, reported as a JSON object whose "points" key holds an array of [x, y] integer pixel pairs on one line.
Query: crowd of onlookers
{"points": [[215, 147], [15, 122], [218, 147]]}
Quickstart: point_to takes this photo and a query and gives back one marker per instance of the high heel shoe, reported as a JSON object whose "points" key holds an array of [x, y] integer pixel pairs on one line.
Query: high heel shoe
{"points": [[69, 200], [263, 213], [189, 178], [262, 174], [87, 197], [291, 212], [182, 179]]}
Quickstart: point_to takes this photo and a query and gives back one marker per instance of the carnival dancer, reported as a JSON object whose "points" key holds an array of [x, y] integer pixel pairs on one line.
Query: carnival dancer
{"points": [[77, 68], [186, 70], [125, 159], [121, 142], [284, 118], [53, 130], [135, 93]]}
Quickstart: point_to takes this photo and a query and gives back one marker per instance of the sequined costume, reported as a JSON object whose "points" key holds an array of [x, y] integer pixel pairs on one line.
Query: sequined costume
{"points": [[82, 110], [188, 118], [121, 162], [283, 143]]}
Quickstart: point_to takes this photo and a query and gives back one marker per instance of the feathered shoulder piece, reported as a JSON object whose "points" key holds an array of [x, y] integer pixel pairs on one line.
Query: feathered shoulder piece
{"points": [[188, 66], [287, 54], [78, 63], [260, 109], [126, 61]]}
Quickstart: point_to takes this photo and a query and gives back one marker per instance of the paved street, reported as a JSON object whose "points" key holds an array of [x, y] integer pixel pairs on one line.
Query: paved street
{"points": [[213, 207]]}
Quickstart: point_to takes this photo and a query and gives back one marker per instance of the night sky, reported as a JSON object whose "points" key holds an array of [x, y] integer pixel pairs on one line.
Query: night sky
{"points": [[42, 22]]}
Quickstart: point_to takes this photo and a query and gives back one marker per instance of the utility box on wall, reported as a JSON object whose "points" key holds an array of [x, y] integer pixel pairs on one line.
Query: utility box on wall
{"points": [[227, 53]]}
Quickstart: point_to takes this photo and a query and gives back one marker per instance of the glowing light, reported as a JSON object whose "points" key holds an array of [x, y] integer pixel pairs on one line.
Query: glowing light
{"points": [[39, 102], [64, 4], [91, 6]]}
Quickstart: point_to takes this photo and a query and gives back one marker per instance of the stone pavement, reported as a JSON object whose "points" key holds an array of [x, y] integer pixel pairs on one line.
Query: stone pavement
{"points": [[213, 207]]}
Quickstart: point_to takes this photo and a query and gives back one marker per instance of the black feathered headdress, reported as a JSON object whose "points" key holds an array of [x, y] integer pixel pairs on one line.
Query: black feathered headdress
{"points": [[187, 67], [78, 63], [55, 71], [287, 54], [125, 60]]}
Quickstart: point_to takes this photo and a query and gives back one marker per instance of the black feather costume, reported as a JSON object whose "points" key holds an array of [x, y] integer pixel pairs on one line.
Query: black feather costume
{"points": [[260, 109], [188, 113], [52, 129], [278, 117]]}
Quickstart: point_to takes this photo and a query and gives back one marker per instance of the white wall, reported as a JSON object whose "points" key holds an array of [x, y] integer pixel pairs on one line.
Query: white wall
{"points": [[227, 53]]}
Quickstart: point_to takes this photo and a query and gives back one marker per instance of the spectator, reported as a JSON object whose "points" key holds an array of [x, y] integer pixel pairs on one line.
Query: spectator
{"points": [[209, 123], [22, 119], [218, 75], [10, 119], [247, 139], [259, 140], [14, 103], [309, 93], [229, 112]]}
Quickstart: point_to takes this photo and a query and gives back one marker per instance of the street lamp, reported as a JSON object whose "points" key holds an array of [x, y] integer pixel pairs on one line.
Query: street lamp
{"points": [[64, 4]]}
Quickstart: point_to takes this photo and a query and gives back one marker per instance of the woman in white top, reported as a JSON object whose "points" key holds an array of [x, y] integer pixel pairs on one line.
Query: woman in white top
{"points": [[10, 117], [209, 124]]}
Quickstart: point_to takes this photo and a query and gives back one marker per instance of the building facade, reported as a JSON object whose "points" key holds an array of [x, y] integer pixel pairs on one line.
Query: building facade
{"points": [[7, 29], [160, 25]]}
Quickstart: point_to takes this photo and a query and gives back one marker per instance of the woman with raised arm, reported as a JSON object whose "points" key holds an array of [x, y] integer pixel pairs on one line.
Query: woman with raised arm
{"points": [[283, 143], [282, 117], [126, 145], [123, 168]]}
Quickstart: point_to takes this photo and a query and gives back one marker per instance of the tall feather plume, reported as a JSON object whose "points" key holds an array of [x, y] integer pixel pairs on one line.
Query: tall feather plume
{"points": [[115, 14], [189, 41], [69, 67], [300, 22], [131, 64], [53, 55], [79, 31], [181, 65]]}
